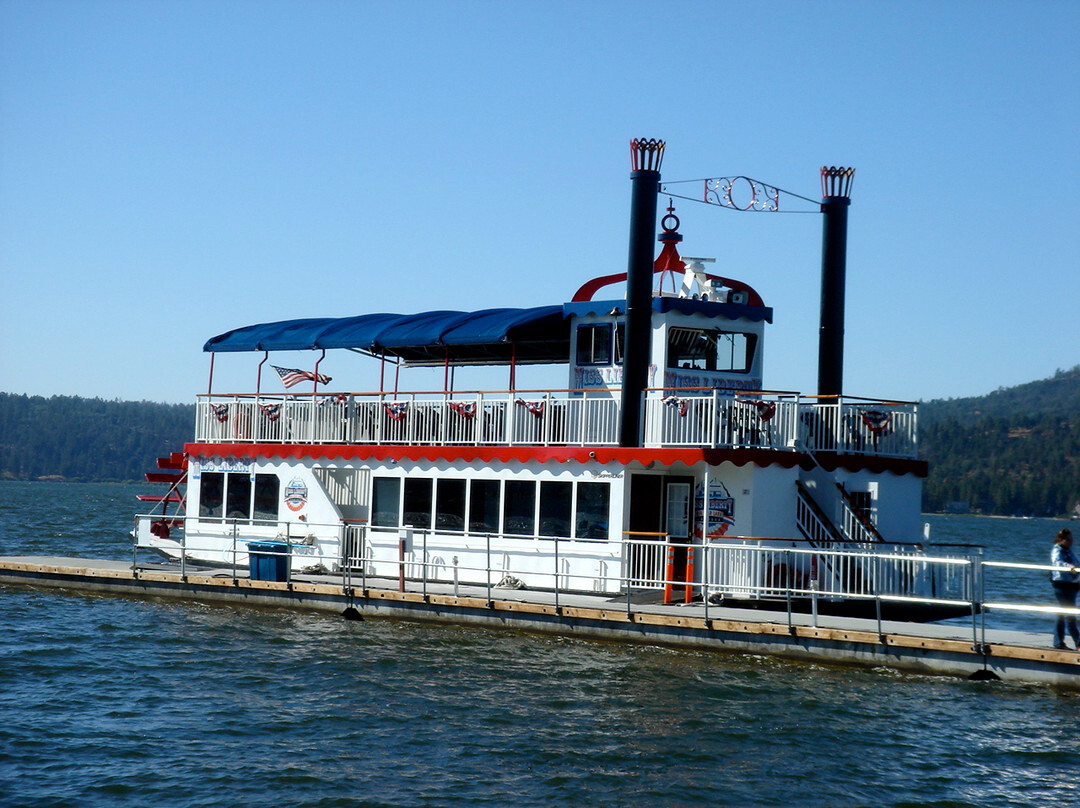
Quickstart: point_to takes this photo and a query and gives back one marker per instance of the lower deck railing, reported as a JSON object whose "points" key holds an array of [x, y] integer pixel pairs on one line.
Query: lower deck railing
{"points": [[779, 574]]}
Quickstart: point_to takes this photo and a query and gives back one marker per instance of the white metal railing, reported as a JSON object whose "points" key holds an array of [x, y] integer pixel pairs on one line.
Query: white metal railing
{"points": [[766, 569], [776, 570], [707, 418]]}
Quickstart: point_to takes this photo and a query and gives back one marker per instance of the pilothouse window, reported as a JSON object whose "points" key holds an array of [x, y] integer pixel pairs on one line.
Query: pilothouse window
{"points": [[710, 350], [599, 344]]}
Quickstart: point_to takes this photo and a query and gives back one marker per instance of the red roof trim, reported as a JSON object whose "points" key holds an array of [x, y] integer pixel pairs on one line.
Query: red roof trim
{"points": [[556, 454]]}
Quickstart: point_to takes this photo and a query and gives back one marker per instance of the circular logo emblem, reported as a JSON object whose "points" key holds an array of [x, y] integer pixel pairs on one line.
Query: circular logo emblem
{"points": [[296, 495]]}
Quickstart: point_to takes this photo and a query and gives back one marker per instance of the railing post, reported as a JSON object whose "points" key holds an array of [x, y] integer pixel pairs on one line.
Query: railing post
{"points": [[976, 603], [787, 587], [183, 556], [556, 574], [425, 564], [404, 543], [363, 557], [877, 596], [487, 566]]}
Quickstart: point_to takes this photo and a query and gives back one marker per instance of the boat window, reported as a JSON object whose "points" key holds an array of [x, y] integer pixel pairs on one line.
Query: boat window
{"points": [[417, 502], [862, 502], [484, 506], [593, 510], [519, 514], [556, 501], [450, 505], [385, 501], [691, 348], [594, 344], [697, 349], [266, 497], [211, 494], [735, 351], [238, 497]]}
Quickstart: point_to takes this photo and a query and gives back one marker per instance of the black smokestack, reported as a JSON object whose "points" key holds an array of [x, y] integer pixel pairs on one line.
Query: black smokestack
{"points": [[836, 192], [645, 158]]}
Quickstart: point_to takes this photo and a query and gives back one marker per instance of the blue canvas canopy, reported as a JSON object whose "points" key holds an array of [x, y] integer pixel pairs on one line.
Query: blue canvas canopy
{"points": [[491, 336]]}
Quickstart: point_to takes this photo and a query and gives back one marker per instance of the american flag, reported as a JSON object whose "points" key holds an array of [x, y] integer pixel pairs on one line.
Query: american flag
{"points": [[291, 376]]}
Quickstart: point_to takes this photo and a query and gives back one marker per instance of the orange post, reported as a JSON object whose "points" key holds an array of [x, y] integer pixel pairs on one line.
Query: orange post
{"points": [[669, 574], [689, 574]]}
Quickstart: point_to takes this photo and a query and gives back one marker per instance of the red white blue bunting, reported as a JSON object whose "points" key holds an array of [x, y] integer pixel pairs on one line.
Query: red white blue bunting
{"points": [[765, 409], [683, 404], [535, 407], [464, 409], [877, 421]]}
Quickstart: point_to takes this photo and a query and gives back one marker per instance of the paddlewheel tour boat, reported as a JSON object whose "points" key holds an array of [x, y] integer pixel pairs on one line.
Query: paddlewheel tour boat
{"points": [[663, 466]]}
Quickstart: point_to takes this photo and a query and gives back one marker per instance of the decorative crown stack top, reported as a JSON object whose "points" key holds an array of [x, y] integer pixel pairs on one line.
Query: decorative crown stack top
{"points": [[836, 181], [646, 154]]}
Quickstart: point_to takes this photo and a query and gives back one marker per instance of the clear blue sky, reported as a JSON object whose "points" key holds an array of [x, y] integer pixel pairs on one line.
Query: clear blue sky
{"points": [[172, 170]]}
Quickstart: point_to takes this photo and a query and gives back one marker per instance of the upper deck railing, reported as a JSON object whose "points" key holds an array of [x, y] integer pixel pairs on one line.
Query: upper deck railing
{"points": [[681, 418]]}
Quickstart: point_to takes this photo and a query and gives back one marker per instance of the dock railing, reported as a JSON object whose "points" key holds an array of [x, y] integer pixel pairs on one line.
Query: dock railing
{"points": [[786, 576], [673, 418]]}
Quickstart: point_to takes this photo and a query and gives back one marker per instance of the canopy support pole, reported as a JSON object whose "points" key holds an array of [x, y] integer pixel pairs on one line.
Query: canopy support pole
{"points": [[210, 382], [258, 373], [315, 382]]}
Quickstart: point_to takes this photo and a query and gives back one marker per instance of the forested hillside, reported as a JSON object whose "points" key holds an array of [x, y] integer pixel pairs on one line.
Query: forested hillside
{"points": [[87, 439], [1015, 451]]}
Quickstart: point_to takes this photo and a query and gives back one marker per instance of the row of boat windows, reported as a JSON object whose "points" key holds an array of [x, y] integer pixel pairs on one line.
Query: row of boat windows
{"points": [[234, 495], [688, 348], [549, 508]]}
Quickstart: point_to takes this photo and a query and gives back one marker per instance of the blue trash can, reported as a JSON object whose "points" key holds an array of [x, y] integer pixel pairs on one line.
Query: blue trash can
{"points": [[268, 561]]}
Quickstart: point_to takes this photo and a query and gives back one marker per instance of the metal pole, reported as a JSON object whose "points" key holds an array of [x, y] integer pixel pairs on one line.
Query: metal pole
{"points": [[877, 595], [487, 565], [363, 557], [787, 586], [424, 549], [705, 548], [556, 574]]}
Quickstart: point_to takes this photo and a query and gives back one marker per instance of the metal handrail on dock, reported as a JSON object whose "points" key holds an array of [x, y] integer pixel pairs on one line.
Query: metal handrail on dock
{"points": [[780, 575]]}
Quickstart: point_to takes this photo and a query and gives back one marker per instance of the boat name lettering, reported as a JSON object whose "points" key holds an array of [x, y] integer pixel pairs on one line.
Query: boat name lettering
{"points": [[605, 475], [686, 380], [597, 377], [227, 466]]}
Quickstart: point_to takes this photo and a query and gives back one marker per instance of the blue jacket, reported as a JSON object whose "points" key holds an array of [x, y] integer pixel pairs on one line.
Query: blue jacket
{"points": [[1060, 557]]}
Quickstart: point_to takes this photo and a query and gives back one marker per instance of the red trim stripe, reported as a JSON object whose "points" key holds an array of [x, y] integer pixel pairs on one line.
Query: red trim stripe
{"points": [[557, 454]]}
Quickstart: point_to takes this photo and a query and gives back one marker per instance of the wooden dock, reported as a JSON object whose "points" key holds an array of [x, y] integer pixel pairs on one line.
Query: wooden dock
{"points": [[925, 648]]}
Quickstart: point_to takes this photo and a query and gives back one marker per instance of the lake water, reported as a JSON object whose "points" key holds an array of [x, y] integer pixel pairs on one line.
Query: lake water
{"points": [[108, 701]]}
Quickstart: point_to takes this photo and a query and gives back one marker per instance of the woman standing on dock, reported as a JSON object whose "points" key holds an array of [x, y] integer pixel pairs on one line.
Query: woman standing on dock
{"points": [[1066, 582]]}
